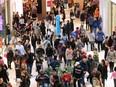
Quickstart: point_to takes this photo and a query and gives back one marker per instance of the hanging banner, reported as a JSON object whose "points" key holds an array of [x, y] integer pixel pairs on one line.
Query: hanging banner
{"points": [[57, 25], [0, 42]]}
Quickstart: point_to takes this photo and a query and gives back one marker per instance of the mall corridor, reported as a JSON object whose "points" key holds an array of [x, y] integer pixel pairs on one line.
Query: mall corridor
{"points": [[58, 43]]}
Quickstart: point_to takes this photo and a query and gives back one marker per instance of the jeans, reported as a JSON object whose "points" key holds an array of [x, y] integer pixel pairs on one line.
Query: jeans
{"points": [[95, 31], [92, 45], [66, 84], [29, 68], [79, 82], [103, 81], [99, 44], [44, 85], [96, 63], [111, 65], [68, 62], [49, 60], [106, 51], [9, 38]]}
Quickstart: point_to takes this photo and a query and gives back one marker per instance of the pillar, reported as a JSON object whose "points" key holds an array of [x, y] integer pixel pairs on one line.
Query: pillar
{"points": [[15, 6], [43, 14], [105, 12], [80, 2]]}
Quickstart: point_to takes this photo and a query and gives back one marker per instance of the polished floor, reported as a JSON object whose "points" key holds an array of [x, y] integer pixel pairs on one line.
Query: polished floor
{"points": [[109, 82]]}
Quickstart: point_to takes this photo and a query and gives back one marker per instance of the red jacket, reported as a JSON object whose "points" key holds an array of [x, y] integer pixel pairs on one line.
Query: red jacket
{"points": [[66, 78]]}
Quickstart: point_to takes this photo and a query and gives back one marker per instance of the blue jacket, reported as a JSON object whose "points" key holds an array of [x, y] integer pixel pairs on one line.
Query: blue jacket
{"points": [[95, 24], [84, 66], [100, 36], [90, 20]]}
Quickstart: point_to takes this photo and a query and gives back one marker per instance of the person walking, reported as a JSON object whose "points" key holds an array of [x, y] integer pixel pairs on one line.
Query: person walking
{"points": [[106, 47], [91, 37], [49, 53], [3, 74], [103, 70], [114, 76], [9, 57], [82, 17], [68, 29], [43, 28], [8, 32], [77, 74], [111, 58], [69, 56], [29, 61], [100, 38], [42, 79], [33, 41]]}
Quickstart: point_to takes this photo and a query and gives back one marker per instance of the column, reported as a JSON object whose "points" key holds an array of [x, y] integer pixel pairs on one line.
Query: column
{"points": [[80, 2], [105, 7], [43, 14], [15, 6]]}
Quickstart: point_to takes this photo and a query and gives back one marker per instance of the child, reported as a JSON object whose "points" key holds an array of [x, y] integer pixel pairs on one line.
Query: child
{"points": [[96, 57], [114, 76]]}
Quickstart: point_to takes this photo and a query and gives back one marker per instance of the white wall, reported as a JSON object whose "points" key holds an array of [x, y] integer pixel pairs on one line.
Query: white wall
{"points": [[114, 1]]}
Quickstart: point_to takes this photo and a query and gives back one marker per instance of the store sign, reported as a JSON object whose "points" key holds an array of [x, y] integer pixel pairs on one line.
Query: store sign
{"points": [[58, 25], [0, 42], [0, 22], [48, 3]]}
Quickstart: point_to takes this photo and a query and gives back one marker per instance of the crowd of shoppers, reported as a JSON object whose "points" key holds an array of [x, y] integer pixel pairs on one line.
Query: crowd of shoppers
{"points": [[66, 49]]}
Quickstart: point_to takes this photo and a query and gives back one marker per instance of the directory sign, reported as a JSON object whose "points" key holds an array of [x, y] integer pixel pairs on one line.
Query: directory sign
{"points": [[57, 25]]}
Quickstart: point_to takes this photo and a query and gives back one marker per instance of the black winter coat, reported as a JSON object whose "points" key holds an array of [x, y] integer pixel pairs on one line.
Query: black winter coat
{"points": [[103, 71], [4, 75]]}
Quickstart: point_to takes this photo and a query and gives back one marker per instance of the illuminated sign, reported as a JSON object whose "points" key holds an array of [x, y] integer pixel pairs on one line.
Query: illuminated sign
{"points": [[0, 22]]}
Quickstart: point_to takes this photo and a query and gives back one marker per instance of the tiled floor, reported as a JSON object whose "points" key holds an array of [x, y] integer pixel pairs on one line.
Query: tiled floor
{"points": [[109, 82]]}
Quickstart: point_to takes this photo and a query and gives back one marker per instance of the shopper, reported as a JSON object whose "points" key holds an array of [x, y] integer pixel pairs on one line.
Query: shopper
{"points": [[29, 61], [42, 79], [96, 80], [66, 79], [103, 70], [100, 38], [91, 37], [33, 41], [9, 57], [114, 76], [77, 74], [69, 56], [3, 74], [25, 79], [111, 58], [2, 83]]}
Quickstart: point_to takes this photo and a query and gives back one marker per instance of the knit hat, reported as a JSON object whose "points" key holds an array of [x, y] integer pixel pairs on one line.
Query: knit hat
{"points": [[77, 63]]}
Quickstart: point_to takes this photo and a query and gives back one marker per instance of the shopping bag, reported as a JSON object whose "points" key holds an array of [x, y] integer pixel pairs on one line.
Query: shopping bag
{"points": [[5, 55]]}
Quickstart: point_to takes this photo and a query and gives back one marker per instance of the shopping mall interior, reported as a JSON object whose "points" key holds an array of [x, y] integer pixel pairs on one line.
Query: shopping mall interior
{"points": [[57, 43]]}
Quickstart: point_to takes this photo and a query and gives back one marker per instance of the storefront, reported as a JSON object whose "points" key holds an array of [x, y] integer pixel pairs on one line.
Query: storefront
{"points": [[2, 18]]}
